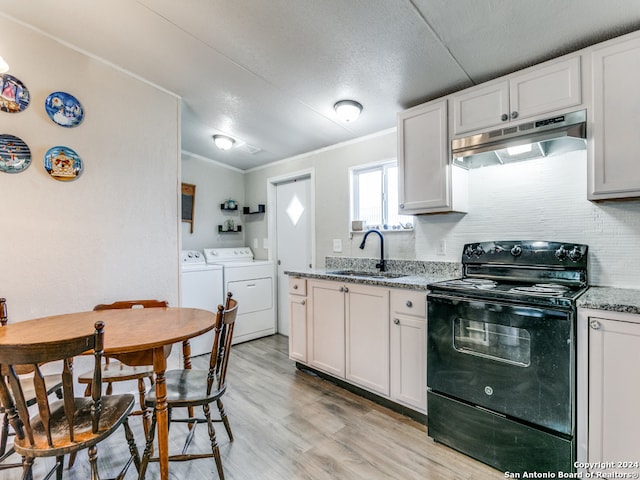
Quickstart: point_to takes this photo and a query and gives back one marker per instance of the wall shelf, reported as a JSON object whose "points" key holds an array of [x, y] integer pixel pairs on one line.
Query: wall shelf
{"points": [[226, 209], [247, 210], [221, 229]]}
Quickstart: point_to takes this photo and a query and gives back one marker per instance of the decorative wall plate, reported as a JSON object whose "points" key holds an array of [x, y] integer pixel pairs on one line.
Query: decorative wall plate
{"points": [[62, 163], [64, 109], [14, 96], [15, 155]]}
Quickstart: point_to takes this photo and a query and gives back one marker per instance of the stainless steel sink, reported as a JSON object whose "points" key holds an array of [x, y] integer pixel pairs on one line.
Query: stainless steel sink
{"points": [[357, 273]]}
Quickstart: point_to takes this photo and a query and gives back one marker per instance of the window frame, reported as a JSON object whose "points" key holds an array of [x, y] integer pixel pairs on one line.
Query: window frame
{"points": [[354, 190]]}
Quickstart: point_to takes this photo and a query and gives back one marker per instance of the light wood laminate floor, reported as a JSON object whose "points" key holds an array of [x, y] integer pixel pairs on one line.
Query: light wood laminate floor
{"points": [[291, 425]]}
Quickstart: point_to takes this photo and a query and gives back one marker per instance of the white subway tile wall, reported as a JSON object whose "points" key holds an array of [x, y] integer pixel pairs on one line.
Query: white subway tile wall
{"points": [[542, 199]]}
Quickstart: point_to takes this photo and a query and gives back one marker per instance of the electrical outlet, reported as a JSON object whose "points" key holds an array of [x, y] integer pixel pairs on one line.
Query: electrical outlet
{"points": [[442, 249], [337, 245]]}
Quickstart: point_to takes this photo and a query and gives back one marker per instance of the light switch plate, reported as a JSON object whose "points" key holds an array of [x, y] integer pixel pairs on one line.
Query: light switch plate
{"points": [[337, 245]]}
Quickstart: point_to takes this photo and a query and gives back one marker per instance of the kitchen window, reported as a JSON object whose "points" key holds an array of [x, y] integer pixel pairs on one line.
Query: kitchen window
{"points": [[374, 197]]}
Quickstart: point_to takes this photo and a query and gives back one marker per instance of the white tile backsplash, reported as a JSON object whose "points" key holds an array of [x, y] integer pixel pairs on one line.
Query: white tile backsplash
{"points": [[542, 199]]}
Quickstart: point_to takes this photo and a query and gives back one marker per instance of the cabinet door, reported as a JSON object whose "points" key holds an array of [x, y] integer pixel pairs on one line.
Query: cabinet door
{"points": [[481, 107], [615, 116], [614, 389], [326, 327], [367, 336], [298, 328], [424, 173], [408, 342], [546, 89]]}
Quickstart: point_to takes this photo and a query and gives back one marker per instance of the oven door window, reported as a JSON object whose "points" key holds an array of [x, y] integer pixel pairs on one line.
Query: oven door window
{"points": [[502, 343]]}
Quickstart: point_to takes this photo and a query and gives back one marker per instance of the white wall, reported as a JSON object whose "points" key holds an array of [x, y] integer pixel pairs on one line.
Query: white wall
{"points": [[113, 232], [332, 191], [539, 200], [215, 183]]}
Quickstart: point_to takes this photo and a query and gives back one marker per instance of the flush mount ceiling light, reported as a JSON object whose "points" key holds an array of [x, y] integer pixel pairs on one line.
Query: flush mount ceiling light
{"points": [[347, 110], [4, 66], [223, 142]]}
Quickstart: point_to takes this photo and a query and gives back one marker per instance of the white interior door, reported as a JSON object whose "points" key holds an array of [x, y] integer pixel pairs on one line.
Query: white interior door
{"points": [[293, 232]]}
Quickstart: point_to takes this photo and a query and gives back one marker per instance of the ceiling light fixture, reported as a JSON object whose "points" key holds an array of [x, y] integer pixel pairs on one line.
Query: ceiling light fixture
{"points": [[223, 142], [4, 66], [347, 110]]}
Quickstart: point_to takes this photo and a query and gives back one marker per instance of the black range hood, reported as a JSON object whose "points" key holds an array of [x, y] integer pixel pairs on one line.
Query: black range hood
{"points": [[526, 141]]}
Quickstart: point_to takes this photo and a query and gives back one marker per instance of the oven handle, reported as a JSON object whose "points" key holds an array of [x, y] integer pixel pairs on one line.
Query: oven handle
{"points": [[441, 298], [492, 305]]}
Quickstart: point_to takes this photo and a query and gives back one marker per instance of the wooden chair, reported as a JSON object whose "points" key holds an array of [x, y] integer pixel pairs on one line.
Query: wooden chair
{"points": [[114, 371], [67, 425], [190, 388], [53, 384]]}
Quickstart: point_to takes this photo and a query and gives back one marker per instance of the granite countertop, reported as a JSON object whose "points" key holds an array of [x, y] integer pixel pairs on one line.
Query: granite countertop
{"points": [[611, 299], [413, 282]]}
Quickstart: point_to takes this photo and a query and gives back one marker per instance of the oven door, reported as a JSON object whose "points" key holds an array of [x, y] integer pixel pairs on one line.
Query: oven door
{"points": [[511, 359]]}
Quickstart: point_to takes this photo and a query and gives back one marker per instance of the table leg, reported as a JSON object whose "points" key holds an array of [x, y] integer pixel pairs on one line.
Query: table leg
{"points": [[162, 414]]}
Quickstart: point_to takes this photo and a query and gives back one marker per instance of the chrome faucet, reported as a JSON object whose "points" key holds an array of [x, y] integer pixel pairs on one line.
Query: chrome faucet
{"points": [[381, 265]]}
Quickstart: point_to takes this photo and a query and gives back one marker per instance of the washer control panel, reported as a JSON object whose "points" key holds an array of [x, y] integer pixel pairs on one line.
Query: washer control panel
{"points": [[229, 254]]}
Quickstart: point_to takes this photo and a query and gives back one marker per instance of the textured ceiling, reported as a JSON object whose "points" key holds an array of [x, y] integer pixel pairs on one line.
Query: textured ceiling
{"points": [[267, 72]]}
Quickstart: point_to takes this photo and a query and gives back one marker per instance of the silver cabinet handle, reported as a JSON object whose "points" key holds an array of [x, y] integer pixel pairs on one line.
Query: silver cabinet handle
{"points": [[514, 115], [401, 206], [504, 117], [295, 287], [396, 321], [303, 302], [594, 324], [346, 290], [409, 304]]}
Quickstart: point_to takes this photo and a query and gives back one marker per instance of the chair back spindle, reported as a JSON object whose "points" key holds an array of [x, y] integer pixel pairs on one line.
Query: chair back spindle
{"points": [[3, 311], [219, 359]]}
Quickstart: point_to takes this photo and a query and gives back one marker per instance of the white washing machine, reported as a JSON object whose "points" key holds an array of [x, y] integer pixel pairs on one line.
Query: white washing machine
{"points": [[202, 287], [252, 284]]}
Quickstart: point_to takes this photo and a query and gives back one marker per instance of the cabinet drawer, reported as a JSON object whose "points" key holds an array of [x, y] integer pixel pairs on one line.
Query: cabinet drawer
{"points": [[409, 302], [297, 286]]}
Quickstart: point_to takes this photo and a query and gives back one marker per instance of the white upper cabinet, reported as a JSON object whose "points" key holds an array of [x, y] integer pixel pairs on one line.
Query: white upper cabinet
{"points": [[614, 169], [426, 176], [480, 107], [549, 88]]}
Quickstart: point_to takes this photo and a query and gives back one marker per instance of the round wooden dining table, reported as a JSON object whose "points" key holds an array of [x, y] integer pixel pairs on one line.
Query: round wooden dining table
{"points": [[139, 336]]}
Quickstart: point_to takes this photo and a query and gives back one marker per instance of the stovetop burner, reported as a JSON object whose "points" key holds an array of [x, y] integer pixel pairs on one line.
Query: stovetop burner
{"points": [[542, 289], [482, 283]]}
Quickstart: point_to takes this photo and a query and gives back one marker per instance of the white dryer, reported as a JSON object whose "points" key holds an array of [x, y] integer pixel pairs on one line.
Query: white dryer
{"points": [[252, 284], [202, 287]]}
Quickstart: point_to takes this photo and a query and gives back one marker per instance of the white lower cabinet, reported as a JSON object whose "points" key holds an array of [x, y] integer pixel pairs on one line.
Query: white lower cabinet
{"points": [[372, 337], [325, 337], [608, 392], [408, 348], [367, 337], [297, 319]]}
